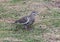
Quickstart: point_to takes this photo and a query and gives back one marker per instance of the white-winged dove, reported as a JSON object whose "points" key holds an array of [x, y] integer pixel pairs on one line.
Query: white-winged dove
{"points": [[27, 21]]}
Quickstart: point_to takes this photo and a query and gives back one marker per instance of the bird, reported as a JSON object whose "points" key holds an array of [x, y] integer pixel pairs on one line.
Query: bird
{"points": [[27, 21]]}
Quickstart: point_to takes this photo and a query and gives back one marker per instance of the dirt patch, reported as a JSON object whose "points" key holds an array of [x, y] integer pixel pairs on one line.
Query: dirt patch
{"points": [[56, 3], [7, 20], [4, 0], [36, 6], [51, 37], [10, 39]]}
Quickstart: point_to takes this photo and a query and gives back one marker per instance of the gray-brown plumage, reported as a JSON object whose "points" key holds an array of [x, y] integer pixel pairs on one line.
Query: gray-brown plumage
{"points": [[27, 21]]}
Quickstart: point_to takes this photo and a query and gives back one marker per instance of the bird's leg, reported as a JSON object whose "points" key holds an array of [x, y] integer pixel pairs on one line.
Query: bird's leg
{"points": [[29, 27], [25, 27]]}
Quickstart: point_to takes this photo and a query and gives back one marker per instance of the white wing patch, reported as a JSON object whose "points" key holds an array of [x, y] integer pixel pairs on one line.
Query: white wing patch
{"points": [[26, 21]]}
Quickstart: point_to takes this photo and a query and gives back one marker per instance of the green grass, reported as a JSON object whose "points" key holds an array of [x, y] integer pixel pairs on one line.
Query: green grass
{"points": [[16, 1], [6, 41], [56, 23]]}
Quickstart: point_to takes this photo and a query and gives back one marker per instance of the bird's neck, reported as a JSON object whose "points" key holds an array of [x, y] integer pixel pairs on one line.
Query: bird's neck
{"points": [[32, 16]]}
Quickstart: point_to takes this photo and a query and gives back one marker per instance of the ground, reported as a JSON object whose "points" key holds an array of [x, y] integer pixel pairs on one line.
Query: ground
{"points": [[46, 26]]}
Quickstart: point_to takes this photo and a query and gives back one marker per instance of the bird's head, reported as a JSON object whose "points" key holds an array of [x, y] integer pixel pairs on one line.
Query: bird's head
{"points": [[34, 13]]}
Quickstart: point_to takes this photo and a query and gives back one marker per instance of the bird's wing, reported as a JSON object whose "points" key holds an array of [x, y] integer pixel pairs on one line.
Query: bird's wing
{"points": [[24, 20]]}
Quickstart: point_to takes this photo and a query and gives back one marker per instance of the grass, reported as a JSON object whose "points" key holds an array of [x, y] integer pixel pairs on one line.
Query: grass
{"points": [[26, 36], [35, 35], [15, 1]]}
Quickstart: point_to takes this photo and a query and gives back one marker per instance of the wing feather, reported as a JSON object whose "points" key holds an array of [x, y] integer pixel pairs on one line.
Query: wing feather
{"points": [[22, 20]]}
